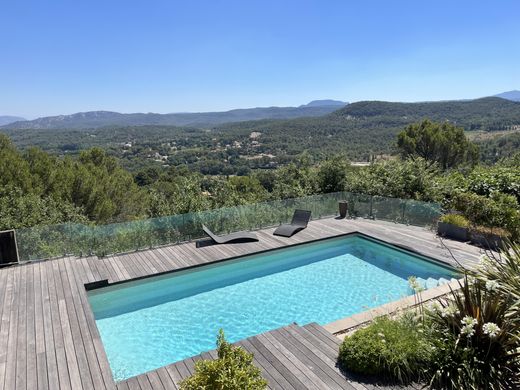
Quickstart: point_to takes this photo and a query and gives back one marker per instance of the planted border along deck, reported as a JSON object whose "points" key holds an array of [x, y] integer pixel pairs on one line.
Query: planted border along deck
{"points": [[48, 335]]}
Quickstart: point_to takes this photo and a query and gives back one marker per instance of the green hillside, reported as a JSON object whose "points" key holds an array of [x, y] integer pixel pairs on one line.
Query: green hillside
{"points": [[357, 131]]}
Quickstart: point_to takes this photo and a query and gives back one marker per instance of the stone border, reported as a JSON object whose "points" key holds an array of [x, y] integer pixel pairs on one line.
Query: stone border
{"points": [[341, 327]]}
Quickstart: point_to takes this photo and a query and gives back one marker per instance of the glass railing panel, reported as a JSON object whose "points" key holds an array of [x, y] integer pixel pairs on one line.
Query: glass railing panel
{"points": [[388, 209], [421, 213], [76, 239]]}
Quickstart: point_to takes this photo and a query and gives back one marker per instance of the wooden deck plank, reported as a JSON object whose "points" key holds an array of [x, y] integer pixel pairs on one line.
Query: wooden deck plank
{"points": [[84, 332], [314, 359], [39, 334], [112, 273], [6, 278], [91, 334], [149, 256], [166, 379], [68, 339], [90, 267], [139, 268], [73, 309], [127, 265], [133, 384], [121, 271], [122, 386], [176, 375], [277, 364], [275, 378], [54, 324], [11, 329], [144, 382], [46, 325], [169, 252], [155, 380], [307, 376], [21, 344], [182, 369], [31, 371], [328, 355]]}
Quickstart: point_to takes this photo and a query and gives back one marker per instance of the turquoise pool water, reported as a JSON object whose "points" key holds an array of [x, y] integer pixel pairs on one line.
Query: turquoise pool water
{"points": [[156, 321]]}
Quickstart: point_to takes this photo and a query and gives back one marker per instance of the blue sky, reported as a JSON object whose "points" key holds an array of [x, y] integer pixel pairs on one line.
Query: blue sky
{"points": [[61, 57]]}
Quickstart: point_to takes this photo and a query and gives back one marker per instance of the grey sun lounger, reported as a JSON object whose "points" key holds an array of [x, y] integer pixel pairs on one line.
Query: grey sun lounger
{"points": [[232, 237], [299, 222]]}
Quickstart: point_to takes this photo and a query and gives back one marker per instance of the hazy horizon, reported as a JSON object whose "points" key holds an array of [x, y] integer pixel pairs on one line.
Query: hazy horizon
{"points": [[234, 108]]}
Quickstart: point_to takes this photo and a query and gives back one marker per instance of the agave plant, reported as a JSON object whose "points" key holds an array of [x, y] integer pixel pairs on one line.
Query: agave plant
{"points": [[478, 329], [502, 273]]}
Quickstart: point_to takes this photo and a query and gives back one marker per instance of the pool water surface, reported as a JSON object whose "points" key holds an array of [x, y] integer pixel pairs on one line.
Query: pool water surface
{"points": [[153, 322]]}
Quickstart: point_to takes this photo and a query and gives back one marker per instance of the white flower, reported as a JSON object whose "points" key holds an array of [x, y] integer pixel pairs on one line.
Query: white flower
{"points": [[470, 321], [492, 285], [382, 335], [468, 330], [469, 326], [491, 329]]}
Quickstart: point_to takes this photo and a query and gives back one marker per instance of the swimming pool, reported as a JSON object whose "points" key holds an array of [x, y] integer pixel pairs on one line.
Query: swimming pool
{"points": [[152, 322]]}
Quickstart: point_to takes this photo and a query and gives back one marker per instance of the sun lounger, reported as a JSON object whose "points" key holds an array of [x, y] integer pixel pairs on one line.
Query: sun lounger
{"points": [[299, 222], [233, 237]]}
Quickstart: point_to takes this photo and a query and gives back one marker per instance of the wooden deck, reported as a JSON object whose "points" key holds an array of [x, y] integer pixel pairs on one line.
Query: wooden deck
{"points": [[49, 339]]}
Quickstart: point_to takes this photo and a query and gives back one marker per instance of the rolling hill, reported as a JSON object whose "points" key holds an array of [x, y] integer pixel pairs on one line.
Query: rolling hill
{"points": [[510, 95], [490, 113], [97, 119], [7, 119]]}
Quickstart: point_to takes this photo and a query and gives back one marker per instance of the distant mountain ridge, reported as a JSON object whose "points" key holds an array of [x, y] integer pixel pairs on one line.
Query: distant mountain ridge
{"points": [[6, 119], [458, 111], [510, 95], [97, 119], [489, 112], [325, 103]]}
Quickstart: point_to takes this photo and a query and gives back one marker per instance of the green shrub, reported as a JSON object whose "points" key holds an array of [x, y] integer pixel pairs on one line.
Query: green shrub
{"points": [[498, 210], [487, 180], [455, 219], [397, 349], [233, 370]]}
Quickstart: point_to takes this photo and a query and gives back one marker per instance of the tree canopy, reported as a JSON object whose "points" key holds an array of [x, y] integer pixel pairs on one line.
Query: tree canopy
{"points": [[441, 143]]}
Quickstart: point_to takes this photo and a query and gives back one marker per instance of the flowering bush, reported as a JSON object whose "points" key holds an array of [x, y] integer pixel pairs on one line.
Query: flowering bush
{"points": [[477, 340], [501, 274]]}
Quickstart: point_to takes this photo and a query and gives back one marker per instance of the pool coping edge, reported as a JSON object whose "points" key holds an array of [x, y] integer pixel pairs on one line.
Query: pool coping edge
{"points": [[342, 326]]}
